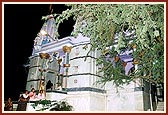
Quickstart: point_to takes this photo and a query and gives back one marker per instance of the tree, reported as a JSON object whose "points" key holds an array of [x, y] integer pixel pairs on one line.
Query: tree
{"points": [[101, 22]]}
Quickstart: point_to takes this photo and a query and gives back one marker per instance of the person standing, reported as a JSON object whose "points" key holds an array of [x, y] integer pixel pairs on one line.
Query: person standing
{"points": [[22, 104], [32, 95], [41, 95], [9, 105]]}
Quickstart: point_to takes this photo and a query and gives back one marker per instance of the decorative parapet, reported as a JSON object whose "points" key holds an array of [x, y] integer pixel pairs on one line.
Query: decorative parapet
{"points": [[54, 46]]}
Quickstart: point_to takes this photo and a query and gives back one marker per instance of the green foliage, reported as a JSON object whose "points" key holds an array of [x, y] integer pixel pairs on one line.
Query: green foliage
{"points": [[52, 105], [101, 22], [62, 106]]}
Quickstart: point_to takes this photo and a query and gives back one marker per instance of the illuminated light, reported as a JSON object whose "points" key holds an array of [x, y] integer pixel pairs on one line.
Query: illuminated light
{"points": [[44, 33]]}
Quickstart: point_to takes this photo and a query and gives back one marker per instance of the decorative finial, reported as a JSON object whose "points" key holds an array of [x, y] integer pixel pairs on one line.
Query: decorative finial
{"points": [[50, 9], [67, 49], [44, 55]]}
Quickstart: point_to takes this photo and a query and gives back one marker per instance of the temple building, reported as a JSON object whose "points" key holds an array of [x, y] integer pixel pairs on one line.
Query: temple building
{"points": [[61, 68]]}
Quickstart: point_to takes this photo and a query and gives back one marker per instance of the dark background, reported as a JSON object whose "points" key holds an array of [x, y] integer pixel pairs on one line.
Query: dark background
{"points": [[22, 22]]}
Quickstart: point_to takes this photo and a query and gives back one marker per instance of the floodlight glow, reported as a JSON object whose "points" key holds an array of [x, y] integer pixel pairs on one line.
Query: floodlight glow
{"points": [[43, 32]]}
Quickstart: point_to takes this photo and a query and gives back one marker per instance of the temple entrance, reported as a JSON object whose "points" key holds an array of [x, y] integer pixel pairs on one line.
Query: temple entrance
{"points": [[53, 81]]}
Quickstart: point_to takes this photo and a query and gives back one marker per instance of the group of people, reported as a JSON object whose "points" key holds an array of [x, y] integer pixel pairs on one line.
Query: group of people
{"points": [[29, 96], [33, 97]]}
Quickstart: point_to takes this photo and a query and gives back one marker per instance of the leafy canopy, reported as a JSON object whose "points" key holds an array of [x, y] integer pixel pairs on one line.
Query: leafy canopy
{"points": [[101, 22]]}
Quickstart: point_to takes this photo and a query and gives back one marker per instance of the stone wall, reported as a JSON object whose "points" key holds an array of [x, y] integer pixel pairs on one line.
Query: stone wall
{"points": [[86, 101]]}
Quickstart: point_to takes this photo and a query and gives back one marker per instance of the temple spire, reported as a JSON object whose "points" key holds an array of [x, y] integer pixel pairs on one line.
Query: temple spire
{"points": [[47, 32]]}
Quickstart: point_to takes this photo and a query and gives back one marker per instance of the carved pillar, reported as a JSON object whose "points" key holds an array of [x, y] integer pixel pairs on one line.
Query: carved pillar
{"points": [[67, 50], [44, 57]]}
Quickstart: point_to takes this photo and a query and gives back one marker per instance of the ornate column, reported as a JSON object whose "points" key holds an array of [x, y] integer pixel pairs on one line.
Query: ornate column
{"points": [[44, 57], [67, 50], [59, 76]]}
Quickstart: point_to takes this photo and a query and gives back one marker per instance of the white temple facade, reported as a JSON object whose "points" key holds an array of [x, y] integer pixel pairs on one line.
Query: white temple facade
{"points": [[73, 78]]}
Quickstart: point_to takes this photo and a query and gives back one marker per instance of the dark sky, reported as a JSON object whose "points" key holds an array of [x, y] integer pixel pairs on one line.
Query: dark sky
{"points": [[22, 22]]}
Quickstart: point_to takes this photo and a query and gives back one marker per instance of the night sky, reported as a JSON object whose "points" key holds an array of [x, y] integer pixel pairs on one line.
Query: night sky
{"points": [[22, 22]]}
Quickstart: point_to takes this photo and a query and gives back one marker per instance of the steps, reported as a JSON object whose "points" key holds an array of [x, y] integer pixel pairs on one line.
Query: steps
{"points": [[160, 106]]}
